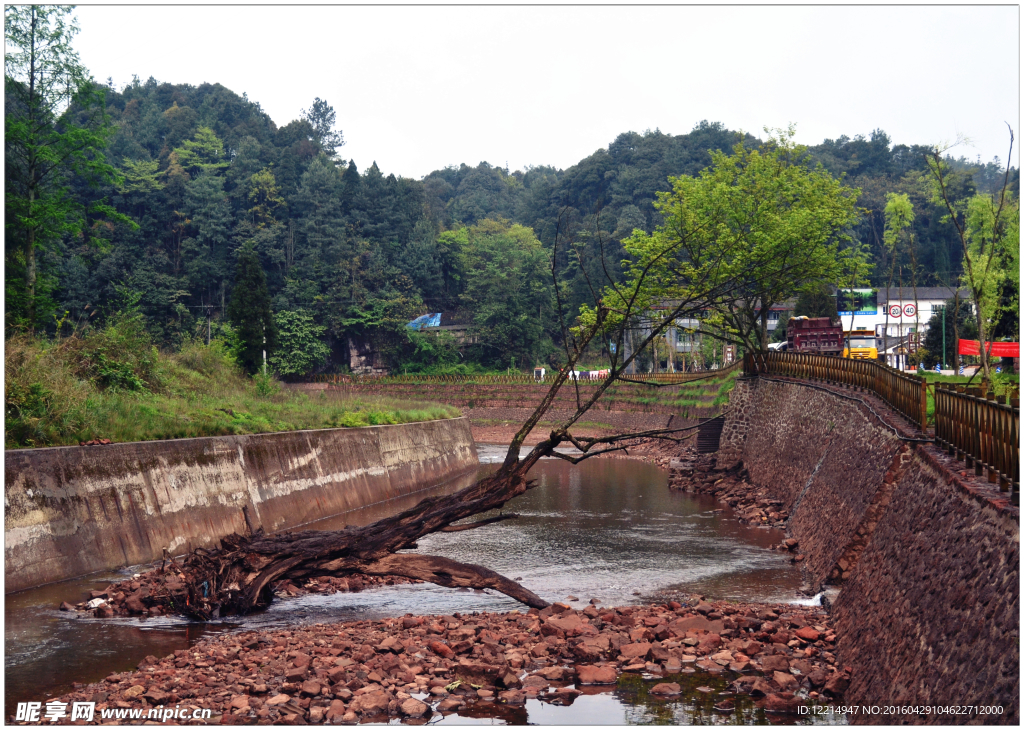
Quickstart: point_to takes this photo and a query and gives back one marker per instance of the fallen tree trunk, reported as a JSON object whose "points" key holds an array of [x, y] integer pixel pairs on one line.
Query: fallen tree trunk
{"points": [[236, 578]]}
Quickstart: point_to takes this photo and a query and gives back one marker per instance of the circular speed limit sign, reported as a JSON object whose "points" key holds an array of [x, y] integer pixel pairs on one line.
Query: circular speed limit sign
{"points": [[909, 310], [894, 310]]}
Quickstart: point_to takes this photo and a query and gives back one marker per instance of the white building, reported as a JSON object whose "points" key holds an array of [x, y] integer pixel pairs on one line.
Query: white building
{"points": [[895, 311]]}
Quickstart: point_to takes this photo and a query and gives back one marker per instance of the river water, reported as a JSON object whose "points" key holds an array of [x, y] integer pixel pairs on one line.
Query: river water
{"points": [[608, 529]]}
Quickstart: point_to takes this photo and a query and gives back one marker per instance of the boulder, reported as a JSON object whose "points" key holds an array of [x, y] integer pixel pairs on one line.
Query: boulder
{"points": [[665, 688], [336, 711], [512, 697], [370, 703], [590, 674], [635, 651], [414, 708], [787, 682], [774, 663], [442, 650], [807, 634]]}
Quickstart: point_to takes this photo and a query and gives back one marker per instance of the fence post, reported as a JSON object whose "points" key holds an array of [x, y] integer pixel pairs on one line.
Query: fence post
{"points": [[924, 406]]}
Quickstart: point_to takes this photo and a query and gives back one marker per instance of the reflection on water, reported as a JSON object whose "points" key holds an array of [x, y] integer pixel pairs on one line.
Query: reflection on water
{"points": [[605, 529]]}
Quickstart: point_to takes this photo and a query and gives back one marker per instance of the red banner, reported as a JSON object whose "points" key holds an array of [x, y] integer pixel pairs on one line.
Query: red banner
{"points": [[998, 349]]}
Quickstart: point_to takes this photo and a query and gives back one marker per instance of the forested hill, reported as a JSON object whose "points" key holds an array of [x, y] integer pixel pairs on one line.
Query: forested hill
{"points": [[362, 252]]}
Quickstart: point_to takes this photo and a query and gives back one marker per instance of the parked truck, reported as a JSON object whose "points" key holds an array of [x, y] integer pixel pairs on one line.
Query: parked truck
{"points": [[815, 335], [860, 345]]}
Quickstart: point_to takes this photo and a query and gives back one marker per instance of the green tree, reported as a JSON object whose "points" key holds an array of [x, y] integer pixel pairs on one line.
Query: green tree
{"points": [[206, 253], [300, 344], [752, 230], [249, 311], [55, 128], [321, 118], [507, 291], [816, 301], [989, 231], [204, 153]]}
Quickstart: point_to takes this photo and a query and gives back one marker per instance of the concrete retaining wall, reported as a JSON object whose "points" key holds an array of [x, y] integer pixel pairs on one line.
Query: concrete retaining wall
{"points": [[926, 558], [75, 510]]}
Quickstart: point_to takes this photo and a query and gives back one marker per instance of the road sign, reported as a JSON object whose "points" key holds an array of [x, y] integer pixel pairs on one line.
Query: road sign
{"points": [[895, 311], [909, 310]]}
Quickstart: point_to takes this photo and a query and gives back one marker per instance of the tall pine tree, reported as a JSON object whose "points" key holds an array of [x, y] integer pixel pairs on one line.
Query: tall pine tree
{"points": [[249, 311]]}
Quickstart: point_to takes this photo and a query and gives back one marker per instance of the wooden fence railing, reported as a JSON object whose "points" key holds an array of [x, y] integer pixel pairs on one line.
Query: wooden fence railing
{"points": [[515, 379], [906, 394], [981, 430]]}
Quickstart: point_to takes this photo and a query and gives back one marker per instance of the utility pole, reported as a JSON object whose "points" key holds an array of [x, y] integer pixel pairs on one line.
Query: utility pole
{"points": [[943, 336]]}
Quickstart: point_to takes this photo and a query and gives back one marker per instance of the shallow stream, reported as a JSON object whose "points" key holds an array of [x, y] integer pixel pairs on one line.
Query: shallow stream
{"points": [[607, 529]]}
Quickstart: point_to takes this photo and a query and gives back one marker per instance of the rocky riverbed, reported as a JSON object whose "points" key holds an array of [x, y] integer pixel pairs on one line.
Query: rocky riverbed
{"points": [[418, 667]]}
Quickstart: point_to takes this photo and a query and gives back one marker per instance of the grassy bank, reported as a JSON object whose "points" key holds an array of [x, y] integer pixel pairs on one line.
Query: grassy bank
{"points": [[113, 384]]}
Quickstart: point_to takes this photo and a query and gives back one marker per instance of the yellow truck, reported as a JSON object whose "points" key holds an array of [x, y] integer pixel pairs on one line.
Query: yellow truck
{"points": [[860, 345]]}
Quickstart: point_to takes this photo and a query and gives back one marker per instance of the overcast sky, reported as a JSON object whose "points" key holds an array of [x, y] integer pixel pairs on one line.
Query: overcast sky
{"points": [[421, 88]]}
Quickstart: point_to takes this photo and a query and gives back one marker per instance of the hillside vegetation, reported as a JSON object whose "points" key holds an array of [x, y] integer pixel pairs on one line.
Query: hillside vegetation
{"points": [[113, 383]]}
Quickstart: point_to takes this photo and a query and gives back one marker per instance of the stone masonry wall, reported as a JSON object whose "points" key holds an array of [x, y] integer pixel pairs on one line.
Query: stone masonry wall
{"points": [[931, 613], [75, 510], [927, 559]]}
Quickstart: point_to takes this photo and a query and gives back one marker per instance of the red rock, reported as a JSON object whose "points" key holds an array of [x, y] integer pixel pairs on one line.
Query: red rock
{"points": [[562, 696], [787, 682], [335, 711], [781, 703], [370, 703], [278, 700], [589, 674], [837, 684], [555, 674], [450, 704], [635, 651], [807, 634], [761, 687], [566, 622], [239, 702], [310, 688], [477, 672], [709, 643], [414, 708], [511, 697], [695, 623], [665, 688], [442, 650], [301, 660], [536, 681], [511, 680], [774, 663]]}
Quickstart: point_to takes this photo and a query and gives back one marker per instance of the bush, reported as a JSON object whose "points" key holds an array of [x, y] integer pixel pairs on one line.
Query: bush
{"points": [[121, 356], [43, 402], [300, 344]]}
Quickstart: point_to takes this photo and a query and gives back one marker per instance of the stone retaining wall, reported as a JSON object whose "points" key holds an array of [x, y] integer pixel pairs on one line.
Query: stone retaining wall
{"points": [[75, 510], [927, 559]]}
